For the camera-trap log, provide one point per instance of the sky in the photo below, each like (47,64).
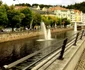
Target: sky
(47,2)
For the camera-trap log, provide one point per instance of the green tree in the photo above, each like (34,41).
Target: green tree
(11,7)
(15,18)
(35,5)
(6,7)
(45,20)
(59,21)
(36,19)
(1,3)
(65,22)
(79,6)
(28,17)
(52,20)
(3,16)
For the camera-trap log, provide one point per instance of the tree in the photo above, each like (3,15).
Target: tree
(6,7)
(28,17)
(35,5)
(65,22)
(0,3)
(23,4)
(36,19)
(3,16)
(59,21)
(15,18)
(42,5)
(79,6)
(11,7)
(52,20)
(45,20)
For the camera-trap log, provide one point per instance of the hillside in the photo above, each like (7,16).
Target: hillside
(79,6)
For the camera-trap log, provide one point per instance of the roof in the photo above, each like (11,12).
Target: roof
(77,11)
(20,7)
(57,8)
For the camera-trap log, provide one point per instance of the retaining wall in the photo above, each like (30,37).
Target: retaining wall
(27,34)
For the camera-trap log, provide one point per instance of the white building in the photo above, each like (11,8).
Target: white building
(61,12)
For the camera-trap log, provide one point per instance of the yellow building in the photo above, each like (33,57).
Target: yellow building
(77,15)
(61,12)
(71,14)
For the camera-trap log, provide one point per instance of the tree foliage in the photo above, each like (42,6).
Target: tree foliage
(23,4)
(1,3)
(28,17)
(15,18)
(3,16)
(41,5)
(50,20)
(36,19)
(65,22)
(79,6)
(45,20)
(25,17)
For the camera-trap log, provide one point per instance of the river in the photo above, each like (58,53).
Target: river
(13,50)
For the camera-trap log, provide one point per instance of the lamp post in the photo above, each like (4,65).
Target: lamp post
(75,26)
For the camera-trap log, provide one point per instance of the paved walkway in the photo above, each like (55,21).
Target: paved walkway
(81,63)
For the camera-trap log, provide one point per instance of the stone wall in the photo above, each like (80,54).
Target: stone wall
(15,36)
(27,34)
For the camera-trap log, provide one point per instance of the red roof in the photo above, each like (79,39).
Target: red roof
(57,8)
(77,11)
(19,7)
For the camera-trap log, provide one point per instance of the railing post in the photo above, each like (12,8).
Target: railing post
(62,50)
(81,35)
(76,39)
(84,33)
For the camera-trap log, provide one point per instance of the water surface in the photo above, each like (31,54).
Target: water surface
(13,50)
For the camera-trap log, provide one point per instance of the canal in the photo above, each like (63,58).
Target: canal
(14,50)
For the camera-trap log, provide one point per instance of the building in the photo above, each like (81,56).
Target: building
(38,8)
(44,9)
(61,12)
(71,14)
(83,18)
(78,15)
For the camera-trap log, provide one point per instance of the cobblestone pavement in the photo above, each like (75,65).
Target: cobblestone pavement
(81,63)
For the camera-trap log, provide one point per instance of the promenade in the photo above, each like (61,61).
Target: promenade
(81,64)
(71,58)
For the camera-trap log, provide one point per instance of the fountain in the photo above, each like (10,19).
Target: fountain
(46,32)
(43,29)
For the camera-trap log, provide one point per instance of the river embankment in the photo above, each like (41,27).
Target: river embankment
(26,34)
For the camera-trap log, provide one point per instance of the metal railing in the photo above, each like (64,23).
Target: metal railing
(11,65)
(68,41)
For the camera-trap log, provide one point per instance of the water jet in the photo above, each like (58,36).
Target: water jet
(46,33)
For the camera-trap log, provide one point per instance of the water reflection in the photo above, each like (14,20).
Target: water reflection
(13,50)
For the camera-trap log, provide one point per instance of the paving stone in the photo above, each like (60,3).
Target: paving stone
(81,63)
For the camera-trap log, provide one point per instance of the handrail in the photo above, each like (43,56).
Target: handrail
(40,59)
(37,67)
(66,42)
(26,57)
